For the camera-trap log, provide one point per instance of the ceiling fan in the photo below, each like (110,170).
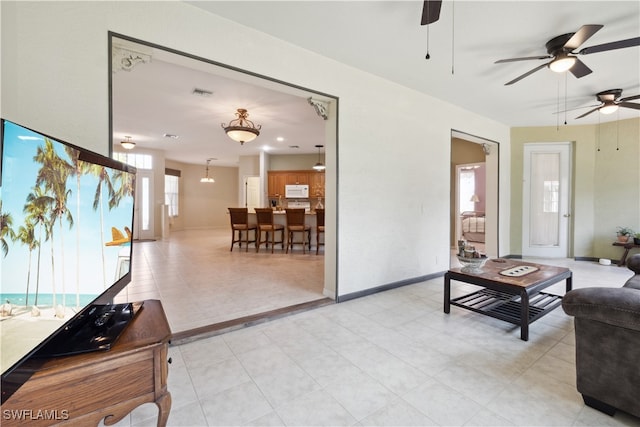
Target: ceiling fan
(430,11)
(609,102)
(562,50)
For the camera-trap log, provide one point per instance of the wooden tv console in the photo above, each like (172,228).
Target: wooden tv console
(87,388)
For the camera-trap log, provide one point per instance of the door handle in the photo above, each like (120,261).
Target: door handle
(566,215)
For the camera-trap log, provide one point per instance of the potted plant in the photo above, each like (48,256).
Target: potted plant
(624,233)
(636,239)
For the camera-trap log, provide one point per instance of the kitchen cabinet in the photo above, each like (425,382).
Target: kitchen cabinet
(316,184)
(297,177)
(276,180)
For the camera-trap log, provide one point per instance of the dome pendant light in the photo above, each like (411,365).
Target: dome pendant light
(128,144)
(242,129)
(206,177)
(319,166)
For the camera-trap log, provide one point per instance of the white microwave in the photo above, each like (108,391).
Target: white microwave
(298,191)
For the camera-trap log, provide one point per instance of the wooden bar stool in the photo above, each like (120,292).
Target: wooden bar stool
(240,223)
(264,217)
(319,228)
(296,224)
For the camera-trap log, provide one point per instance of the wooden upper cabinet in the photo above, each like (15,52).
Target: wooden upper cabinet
(297,177)
(276,180)
(316,184)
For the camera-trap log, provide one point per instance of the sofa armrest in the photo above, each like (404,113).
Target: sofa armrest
(614,306)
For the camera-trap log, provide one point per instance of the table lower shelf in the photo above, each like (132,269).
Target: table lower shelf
(507,307)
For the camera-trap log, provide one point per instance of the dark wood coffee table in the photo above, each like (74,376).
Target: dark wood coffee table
(515,299)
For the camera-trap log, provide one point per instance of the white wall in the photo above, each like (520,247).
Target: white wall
(392,188)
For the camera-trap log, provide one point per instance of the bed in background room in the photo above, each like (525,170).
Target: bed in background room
(473,226)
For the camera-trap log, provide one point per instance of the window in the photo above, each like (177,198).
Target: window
(172,190)
(467,182)
(140,161)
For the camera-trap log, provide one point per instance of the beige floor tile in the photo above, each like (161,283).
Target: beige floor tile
(388,359)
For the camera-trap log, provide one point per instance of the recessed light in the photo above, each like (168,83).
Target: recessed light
(279,139)
(170,135)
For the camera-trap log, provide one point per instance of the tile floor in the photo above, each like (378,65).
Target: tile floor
(389,359)
(200,282)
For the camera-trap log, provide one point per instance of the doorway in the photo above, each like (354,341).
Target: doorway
(266,97)
(474,202)
(545,198)
(252,192)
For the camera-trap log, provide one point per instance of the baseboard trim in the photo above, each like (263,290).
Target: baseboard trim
(587,258)
(244,322)
(389,286)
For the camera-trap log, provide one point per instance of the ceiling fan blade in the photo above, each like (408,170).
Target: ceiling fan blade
(629,98)
(587,113)
(620,44)
(629,105)
(430,11)
(528,73)
(524,58)
(581,36)
(579,69)
(577,108)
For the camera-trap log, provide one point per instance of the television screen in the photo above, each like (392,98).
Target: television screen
(67,221)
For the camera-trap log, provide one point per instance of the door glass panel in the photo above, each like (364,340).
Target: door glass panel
(544,222)
(145,203)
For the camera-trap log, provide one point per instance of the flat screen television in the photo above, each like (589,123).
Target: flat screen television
(67,217)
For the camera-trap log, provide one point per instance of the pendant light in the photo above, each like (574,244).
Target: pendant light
(206,177)
(242,129)
(319,166)
(128,144)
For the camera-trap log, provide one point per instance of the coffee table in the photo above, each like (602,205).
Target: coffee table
(515,299)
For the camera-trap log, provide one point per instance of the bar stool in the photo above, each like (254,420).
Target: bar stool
(264,217)
(319,228)
(296,224)
(240,222)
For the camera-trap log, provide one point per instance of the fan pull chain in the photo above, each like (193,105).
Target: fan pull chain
(599,132)
(428,56)
(566,84)
(558,105)
(618,130)
(453,30)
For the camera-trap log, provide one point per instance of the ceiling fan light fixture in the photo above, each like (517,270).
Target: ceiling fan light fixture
(562,63)
(127,144)
(242,129)
(608,108)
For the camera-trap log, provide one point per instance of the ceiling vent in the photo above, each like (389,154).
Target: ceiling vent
(170,135)
(201,92)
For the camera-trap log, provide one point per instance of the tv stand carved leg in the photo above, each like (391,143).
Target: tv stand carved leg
(164,406)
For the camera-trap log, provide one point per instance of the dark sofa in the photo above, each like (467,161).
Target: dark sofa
(607,328)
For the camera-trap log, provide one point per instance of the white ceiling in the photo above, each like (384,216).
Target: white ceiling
(385,38)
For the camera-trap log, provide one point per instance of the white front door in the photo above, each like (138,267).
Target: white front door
(545,199)
(144,225)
